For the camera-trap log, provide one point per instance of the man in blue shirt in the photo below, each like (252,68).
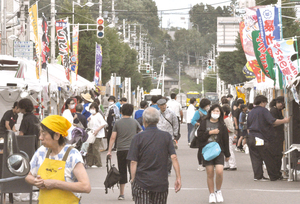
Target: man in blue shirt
(139,113)
(87,99)
(260,124)
(154,100)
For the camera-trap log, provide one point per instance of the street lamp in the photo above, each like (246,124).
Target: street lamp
(89,4)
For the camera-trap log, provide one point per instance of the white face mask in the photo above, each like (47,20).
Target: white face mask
(92,111)
(215,115)
(110,103)
(72,106)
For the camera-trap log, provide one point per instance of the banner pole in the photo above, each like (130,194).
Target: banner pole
(297,53)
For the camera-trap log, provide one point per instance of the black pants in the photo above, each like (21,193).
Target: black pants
(179,135)
(258,154)
(123,164)
(276,150)
(200,156)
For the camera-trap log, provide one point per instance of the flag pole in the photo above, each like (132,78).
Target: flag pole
(95,63)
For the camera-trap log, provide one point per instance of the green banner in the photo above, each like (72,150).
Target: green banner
(264,59)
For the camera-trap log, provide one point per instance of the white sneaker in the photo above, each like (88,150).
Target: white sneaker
(219,196)
(237,149)
(246,148)
(35,196)
(26,198)
(201,168)
(212,198)
(16,196)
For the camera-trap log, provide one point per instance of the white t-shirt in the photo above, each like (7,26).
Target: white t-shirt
(174,106)
(96,121)
(190,113)
(74,157)
(68,115)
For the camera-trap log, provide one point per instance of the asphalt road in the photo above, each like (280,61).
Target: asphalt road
(238,186)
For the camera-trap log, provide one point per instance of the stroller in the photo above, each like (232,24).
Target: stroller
(79,136)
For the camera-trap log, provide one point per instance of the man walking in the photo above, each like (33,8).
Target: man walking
(167,122)
(112,115)
(260,126)
(123,130)
(176,107)
(149,152)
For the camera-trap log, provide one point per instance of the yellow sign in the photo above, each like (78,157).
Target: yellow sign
(34,22)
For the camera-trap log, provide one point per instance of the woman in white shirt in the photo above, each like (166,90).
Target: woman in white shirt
(189,116)
(96,123)
(69,105)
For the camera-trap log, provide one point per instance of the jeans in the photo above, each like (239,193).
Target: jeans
(190,128)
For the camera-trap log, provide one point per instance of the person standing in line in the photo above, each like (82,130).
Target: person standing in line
(261,134)
(203,109)
(167,122)
(176,107)
(243,127)
(277,105)
(149,152)
(97,124)
(213,129)
(79,118)
(112,115)
(104,102)
(123,130)
(69,105)
(154,100)
(231,164)
(9,120)
(138,115)
(189,115)
(101,109)
(30,123)
(87,100)
(236,119)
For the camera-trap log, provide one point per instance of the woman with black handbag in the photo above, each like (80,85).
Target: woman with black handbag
(213,129)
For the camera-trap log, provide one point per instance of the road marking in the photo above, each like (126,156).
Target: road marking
(201,189)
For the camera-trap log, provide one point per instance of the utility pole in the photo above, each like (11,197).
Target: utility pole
(179,77)
(149,54)
(124,29)
(134,39)
(22,21)
(113,12)
(100,8)
(146,52)
(3,34)
(53,31)
(128,34)
(163,79)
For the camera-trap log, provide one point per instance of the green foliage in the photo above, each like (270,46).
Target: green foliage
(210,82)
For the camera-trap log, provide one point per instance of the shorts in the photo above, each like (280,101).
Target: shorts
(218,160)
(244,133)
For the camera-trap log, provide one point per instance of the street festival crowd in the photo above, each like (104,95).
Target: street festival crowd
(146,143)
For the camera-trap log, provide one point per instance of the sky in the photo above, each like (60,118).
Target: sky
(180,18)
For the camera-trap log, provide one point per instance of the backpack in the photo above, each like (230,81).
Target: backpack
(193,135)
(113,175)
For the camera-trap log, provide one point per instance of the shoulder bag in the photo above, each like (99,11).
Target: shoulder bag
(193,135)
(211,151)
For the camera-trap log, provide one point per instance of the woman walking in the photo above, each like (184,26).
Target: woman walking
(70,104)
(213,129)
(96,123)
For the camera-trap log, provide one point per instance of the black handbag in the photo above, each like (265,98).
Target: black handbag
(194,136)
(113,175)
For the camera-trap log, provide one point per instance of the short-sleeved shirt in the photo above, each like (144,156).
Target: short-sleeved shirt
(138,113)
(279,130)
(126,128)
(30,125)
(73,158)
(8,116)
(175,107)
(211,126)
(80,118)
(236,114)
(243,119)
(151,150)
(260,123)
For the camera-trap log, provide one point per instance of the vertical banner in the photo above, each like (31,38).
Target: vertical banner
(263,57)
(268,22)
(45,43)
(260,76)
(34,22)
(63,45)
(282,52)
(75,42)
(98,63)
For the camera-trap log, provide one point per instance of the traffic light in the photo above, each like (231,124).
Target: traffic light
(100,27)
(209,62)
(155,75)
(148,68)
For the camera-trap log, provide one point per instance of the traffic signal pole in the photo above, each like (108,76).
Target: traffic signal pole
(52,57)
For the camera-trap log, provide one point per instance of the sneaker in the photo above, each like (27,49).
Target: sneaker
(189,144)
(212,198)
(121,197)
(201,168)
(237,149)
(262,179)
(35,196)
(219,196)
(225,168)
(175,144)
(242,150)
(16,196)
(232,169)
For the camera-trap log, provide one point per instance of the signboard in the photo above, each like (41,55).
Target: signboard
(23,49)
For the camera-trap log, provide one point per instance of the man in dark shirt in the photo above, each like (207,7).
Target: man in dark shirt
(149,152)
(79,118)
(236,119)
(30,124)
(9,120)
(261,133)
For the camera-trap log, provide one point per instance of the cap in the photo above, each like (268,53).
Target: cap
(161,101)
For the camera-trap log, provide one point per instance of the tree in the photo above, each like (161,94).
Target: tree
(210,82)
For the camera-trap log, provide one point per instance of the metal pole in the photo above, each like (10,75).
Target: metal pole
(3,40)
(146,52)
(53,31)
(113,12)
(179,77)
(134,39)
(163,79)
(22,21)
(73,12)
(100,8)
(129,90)
(124,29)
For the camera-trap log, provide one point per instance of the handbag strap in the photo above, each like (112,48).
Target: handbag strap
(108,160)
(167,120)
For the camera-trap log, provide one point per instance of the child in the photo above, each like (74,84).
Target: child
(243,126)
